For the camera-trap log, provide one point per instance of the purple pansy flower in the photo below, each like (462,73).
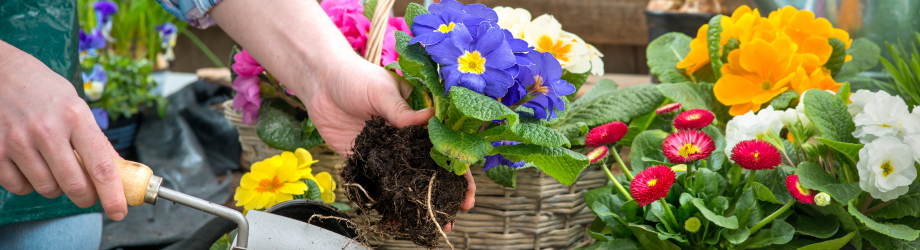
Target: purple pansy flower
(498,159)
(168,39)
(89,43)
(542,80)
(481,63)
(94,83)
(102,117)
(104,12)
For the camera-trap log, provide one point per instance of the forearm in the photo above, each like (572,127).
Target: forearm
(293,39)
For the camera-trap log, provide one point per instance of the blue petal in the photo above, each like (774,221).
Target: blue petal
(522,59)
(461,38)
(539,113)
(491,162)
(489,39)
(430,20)
(455,16)
(498,82)
(428,38)
(444,53)
(474,82)
(524,76)
(548,66)
(500,57)
(451,77)
(515,93)
(517,45)
(562,88)
(517,165)
(445,4)
(102,117)
(481,11)
(513,71)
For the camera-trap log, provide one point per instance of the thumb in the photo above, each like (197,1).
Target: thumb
(398,113)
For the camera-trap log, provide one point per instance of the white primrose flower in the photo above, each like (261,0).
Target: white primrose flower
(545,34)
(513,20)
(914,142)
(863,97)
(592,60)
(597,64)
(885,168)
(748,126)
(885,116)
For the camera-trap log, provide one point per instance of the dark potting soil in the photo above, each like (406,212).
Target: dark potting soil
(394,168)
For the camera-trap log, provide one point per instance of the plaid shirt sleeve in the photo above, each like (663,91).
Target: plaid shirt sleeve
(194,12)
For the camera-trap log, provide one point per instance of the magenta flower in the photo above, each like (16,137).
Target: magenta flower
(390,55)
(246,66)
(348,16)
(247,97)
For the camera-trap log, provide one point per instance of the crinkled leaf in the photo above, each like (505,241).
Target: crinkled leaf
(503,175)
(604,104)
(775,181)
(779,232)
(420,71)
(897,231)
(830,115)
(881,241)
(714,42)
(865,56)
(562,164)
(282,131)
(412,11)
(439,158)
(814,177)
(466,148)
(456,120)
(836,210)
(838,55)
(784,100)
(224,243)
(418,99)
(730,222)
(844,92)
(850,150)
(905,205)
(664,53)
(837,243)
(635,127)
(646,144)
(690,95)
(822,228)
(717,158)
(480,107)
(732,44)
(529,133)
(574,132)
(747,210)
(313,192)
(369,7)
(649,239)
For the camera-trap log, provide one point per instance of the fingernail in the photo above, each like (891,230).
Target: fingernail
(117,216)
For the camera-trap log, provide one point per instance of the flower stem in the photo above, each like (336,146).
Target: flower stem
(667,224)
(880,206)
(668,209)
(772,216)
(616,183)
(282,94)
(788,159)
(750,180)
(616,154)
(865,204)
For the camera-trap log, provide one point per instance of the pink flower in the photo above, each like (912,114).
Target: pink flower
(348,16)
(247,97)
(245,66)
(390,54)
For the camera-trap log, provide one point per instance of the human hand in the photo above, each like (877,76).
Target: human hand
(42,122)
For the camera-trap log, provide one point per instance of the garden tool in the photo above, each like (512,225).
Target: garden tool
(256,231)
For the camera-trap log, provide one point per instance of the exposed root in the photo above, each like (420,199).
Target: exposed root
(362,190)
(431,212)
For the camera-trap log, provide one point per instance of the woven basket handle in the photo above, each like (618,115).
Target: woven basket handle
(374,49)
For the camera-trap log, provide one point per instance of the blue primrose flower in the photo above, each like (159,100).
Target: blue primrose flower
(433,27)
(498,159)
(89,43)
(481,64)
(542,81)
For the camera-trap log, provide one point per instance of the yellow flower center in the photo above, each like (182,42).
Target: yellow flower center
(756,156)
(87,85)
(802,190)
(886,125)
(472,62)
(693,117)
(766,85)
(688,149)
(559,51)
(887,168)
(538,85)
(446,28)
(652,182)
(266,185)
(594,154)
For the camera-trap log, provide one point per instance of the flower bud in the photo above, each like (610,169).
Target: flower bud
(789,118)
(599,154)
(822,199)
(692,225)
(679,167)
(811,151)
(668,111)
(609,133)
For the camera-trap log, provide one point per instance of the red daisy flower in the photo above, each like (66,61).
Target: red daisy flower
(605,134)
(800,193)
(756,155)
(668,108)
(687,145)
(598,154)
(694,119)
(652,184)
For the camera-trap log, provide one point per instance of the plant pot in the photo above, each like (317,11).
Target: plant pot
(121,134)
(305,210)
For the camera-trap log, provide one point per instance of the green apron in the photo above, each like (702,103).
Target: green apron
(49,31)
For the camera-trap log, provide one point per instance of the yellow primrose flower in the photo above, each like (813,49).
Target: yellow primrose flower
(270,182)
(545,34)
(819,79)
(327,185)
(304,163)
(513,20)
(744,25)
(809,32)
(755,73)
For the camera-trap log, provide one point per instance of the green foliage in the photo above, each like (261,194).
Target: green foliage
(463,147)
(732,44)
(904,68)
(730,222)
(313,192)
(717,158)
(779,233)
(529,133)
(814,177)
(882,241)
(747,210)
(714,43)
(822,228)
(905,205)
(647,144)
(865,56)
(412,11)
(369,7)
(575,79)
(785,100)
(649,239)
(763,193)
(635,127)
(562,164)
(130,87)
(896,231)
(503,175)
(481,107)
(837,243)
(605,103)
(838,55)
(830,115)
(663,55)
(574,132)
(689,95)
(775,181)
(420,71)
(282,131)
(623,244)
(850,150)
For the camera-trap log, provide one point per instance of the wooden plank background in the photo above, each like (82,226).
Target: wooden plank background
(616,27)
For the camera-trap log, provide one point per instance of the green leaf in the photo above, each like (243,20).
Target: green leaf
(664,53)
(747,210)
(503,175)
(850,150)
(763,193)
(729,222)
(419,70)
(865,56)
(837,243)
(814,177)
(636,126)
(907,204)
(574,132)
(732,44)
(844,92)
(604,104)
(894,230)
(881,241)
(313,192)
(236,49)
(575,79)
(784,100)
(562,164)
(649,239)
(822,228)
(281,131)
(466,148)
(779,233)
(606,203)
(369,7)
(529,133)
(624,244)
(775,181)
(418,99)
(706,182)
(717,158)
(737,236)
(836,210)
(456,120)
(830,115)
(224,243)
(646,144)
(481,107)
(341,206)
(714,42)
(690,95)
(839,53)
(412,11)
(439,158)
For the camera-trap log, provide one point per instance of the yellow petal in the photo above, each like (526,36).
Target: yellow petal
(249,181)
(819,47)
(288,172)
(244,196)
(280,197)
(759,57)
(732,89)
(297,187)
(739,109)
(324,180)
(766,96)
(263,199)
(304,157)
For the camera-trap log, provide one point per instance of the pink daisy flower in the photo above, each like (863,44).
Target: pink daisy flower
(605,134)
(756,155)
(652,184)
(800,193)
(687,145)
(694,119)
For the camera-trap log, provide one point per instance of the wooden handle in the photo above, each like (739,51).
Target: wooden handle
(134,178)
